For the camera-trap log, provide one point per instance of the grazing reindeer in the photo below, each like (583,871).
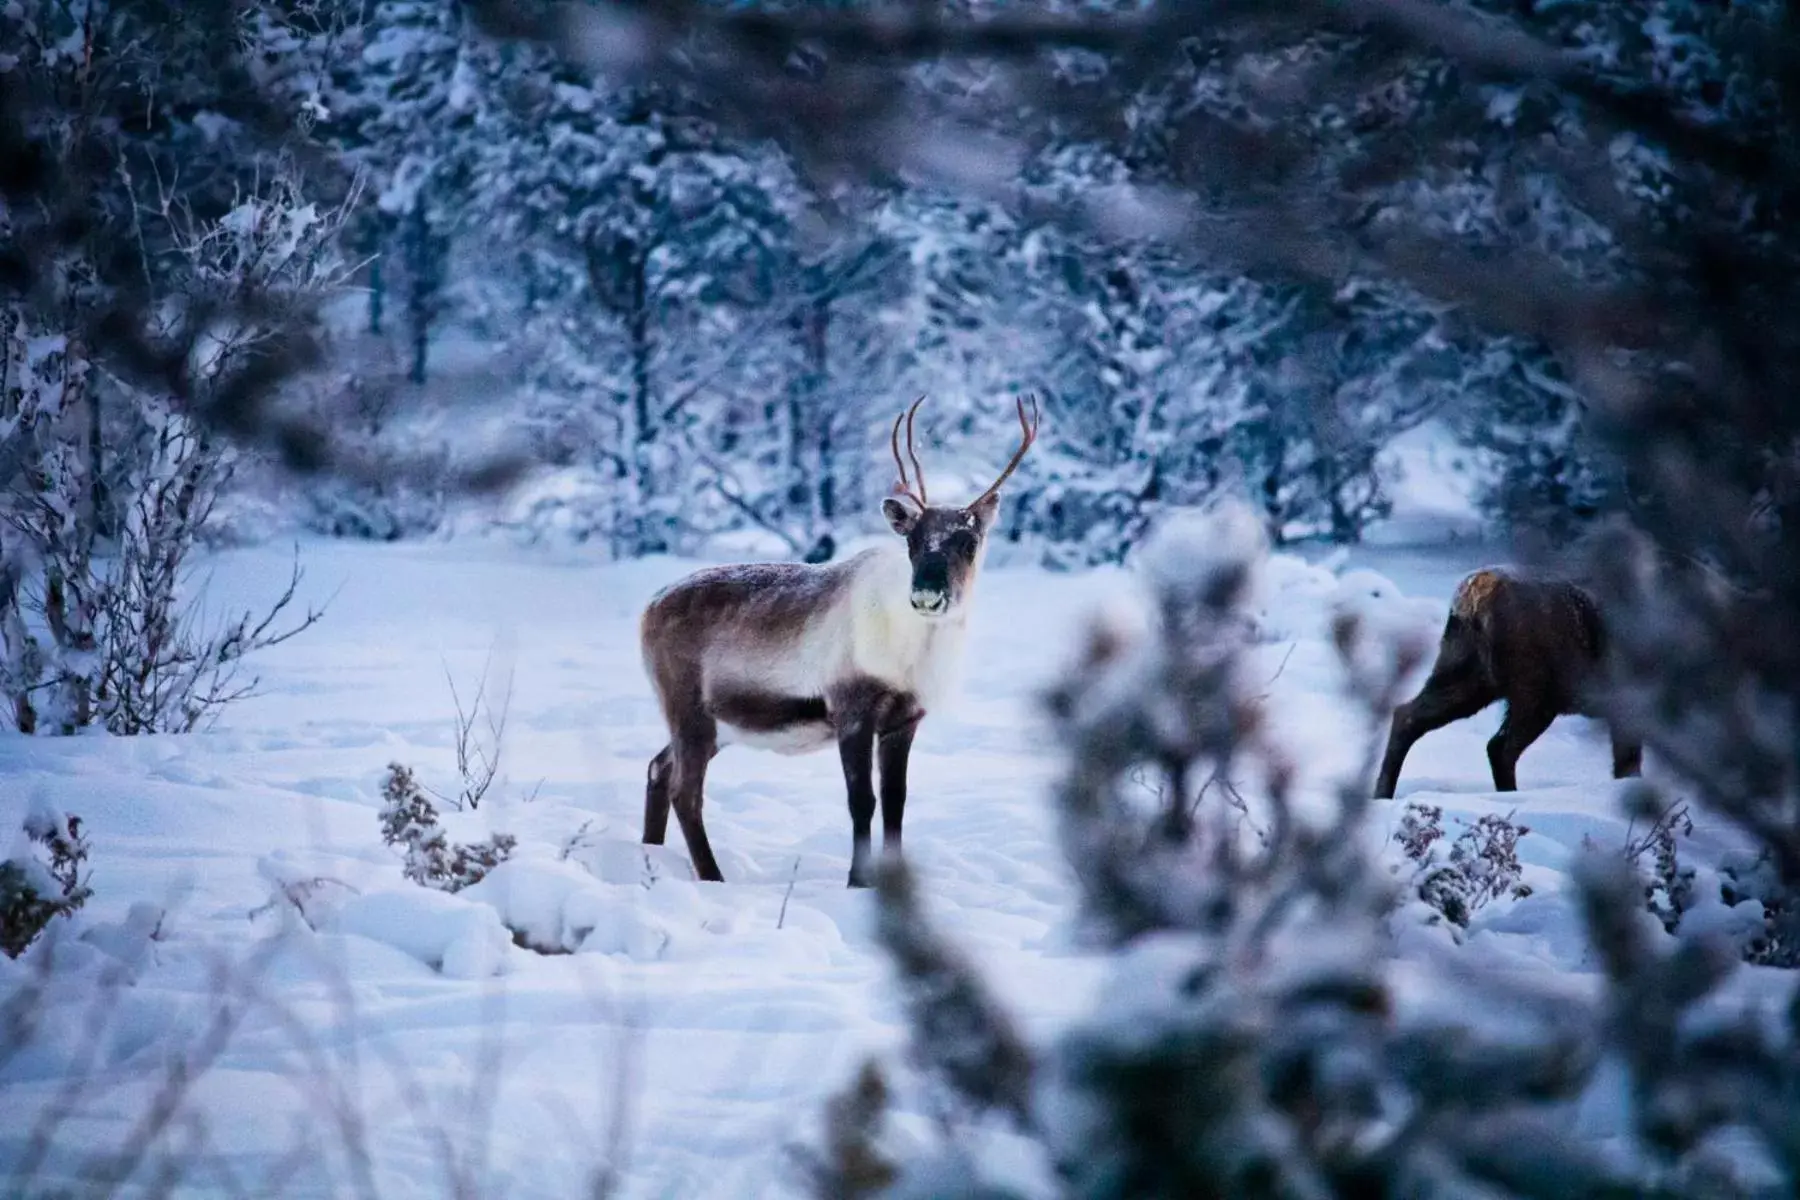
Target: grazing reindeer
(1534,643)
(792,657)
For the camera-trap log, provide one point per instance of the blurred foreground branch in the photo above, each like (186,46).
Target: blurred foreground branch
(1256,1038)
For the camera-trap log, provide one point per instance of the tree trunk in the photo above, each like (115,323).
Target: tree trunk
(816,331)
(651,536)
(425,264)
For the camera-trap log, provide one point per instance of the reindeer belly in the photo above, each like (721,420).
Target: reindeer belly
(767,721)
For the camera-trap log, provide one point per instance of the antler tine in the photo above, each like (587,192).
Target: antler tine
(1028,431)
(918,471)
(905,486)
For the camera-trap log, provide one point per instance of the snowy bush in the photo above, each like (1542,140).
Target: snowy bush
(42,879)
(105,490)
(1755,878)
(1669,890)
(409,822)
(1481,866)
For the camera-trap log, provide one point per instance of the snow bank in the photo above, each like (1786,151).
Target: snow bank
(556,907)
(1298,600)
(447,933)
(740,1006)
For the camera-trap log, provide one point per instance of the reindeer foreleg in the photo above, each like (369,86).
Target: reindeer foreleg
(896,748)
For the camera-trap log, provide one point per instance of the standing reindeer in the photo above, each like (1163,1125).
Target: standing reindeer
(1534,643)
(792,657)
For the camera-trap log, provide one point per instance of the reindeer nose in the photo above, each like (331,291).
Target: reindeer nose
(929,601)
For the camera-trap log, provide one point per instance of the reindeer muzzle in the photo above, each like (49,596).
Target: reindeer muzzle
(930,602)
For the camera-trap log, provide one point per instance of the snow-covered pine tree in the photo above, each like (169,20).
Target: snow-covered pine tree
(801,460)
(407,117)
(1332,380)
(1145,374)
(658,259)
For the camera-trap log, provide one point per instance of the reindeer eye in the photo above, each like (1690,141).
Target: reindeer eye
(962,542)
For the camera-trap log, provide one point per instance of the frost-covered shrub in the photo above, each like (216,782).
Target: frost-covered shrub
(1669,889)
(1421,825)
(409,822)
(44,878)
(105,491)
(1481,866)
(1755,877)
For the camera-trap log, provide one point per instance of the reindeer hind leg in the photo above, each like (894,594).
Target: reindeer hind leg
(1446,697)
(657,796)
(1524,724)
(693,751)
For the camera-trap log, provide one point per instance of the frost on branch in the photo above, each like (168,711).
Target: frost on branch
(409,821)
(43,879)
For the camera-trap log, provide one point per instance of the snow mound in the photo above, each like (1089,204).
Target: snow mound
(556,907)
(449,934)
(128,940)
(1297,599)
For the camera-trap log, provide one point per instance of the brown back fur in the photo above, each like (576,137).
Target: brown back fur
(1534,639)
(767,604)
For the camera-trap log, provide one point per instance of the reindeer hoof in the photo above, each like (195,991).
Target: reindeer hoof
(861,880)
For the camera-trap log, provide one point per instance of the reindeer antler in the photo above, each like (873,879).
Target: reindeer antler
(1029,429)
(906,487)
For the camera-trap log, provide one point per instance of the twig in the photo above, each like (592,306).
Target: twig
(573,840)
(478,766)
(1292,646)
(781,919)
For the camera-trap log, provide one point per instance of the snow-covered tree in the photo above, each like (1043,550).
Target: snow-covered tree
(655,258)
(795,460)
(407,117)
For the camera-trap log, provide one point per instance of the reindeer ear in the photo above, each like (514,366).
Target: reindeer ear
(985,510)
(900,518)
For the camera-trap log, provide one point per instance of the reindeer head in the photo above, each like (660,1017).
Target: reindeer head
(945,542)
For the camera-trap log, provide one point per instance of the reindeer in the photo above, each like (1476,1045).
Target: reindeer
(1534,643)
(792,657)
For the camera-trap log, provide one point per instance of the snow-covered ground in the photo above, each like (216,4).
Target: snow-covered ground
(698,1029)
